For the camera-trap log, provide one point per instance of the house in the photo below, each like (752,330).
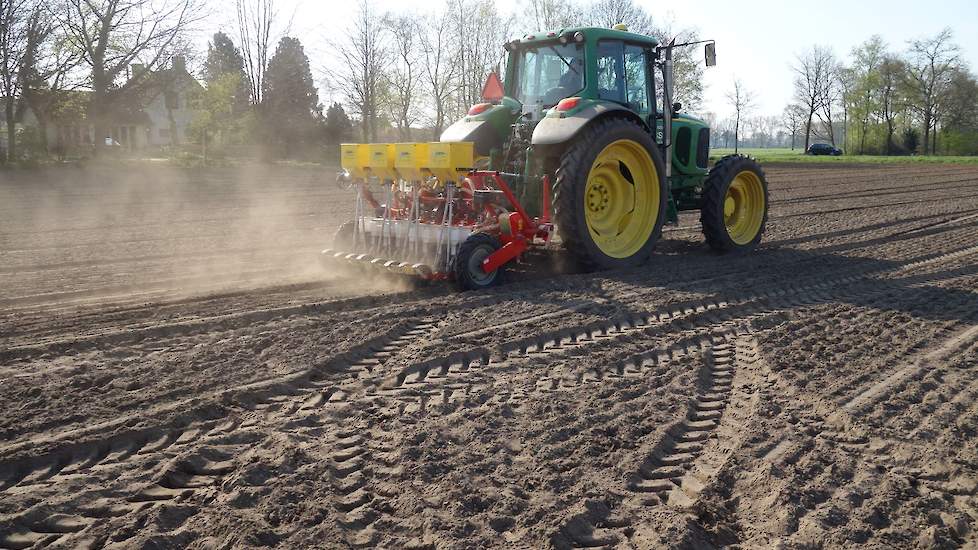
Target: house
(156,110)
(169,102)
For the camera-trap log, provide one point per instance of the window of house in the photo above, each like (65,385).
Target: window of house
(172,100)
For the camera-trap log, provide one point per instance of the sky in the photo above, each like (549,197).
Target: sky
(757,41)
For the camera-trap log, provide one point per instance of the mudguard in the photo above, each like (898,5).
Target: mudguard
(557,128)
(480,132)
(488,129)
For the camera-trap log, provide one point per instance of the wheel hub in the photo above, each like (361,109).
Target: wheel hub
(621,198)
(598,197)
(743,207)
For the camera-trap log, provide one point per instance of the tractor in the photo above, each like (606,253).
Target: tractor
(580,140)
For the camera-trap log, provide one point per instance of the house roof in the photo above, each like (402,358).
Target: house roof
(128,104)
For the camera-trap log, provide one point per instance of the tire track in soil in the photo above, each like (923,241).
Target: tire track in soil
(913,371)
(20,352)
(182,478)
(198,325)
(883,191)
(860,433)
(680,466)
(188,475)
(566,340)
(677,318)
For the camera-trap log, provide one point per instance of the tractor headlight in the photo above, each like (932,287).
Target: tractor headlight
(564,39)
(578,36)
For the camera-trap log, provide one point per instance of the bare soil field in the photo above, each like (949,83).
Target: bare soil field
(177,371)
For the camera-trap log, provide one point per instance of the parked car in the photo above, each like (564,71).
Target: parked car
(823,149)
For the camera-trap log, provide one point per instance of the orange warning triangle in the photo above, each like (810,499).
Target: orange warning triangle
(492,90)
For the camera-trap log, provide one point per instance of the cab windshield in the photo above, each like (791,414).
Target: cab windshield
(546,74)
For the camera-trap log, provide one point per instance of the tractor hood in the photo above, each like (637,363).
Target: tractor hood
(487,125)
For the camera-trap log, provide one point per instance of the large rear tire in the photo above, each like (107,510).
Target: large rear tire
(734,207)
(610,195)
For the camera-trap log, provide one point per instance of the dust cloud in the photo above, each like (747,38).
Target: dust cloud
(131,230)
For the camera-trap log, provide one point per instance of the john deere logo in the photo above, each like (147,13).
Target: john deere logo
(440,154)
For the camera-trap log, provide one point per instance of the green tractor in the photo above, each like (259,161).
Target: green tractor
(591,109)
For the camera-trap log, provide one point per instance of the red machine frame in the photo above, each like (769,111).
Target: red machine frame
(517,231)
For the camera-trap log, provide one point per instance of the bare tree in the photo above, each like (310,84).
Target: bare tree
(403,76)
(258,32)
(14,22)
(792,120)
(813,71)
(439,67)
(541,15)
(47,68)
(864,73)
(832,93)
(482,30)
(112,34)
(891,72)
(607,13)
(363,57)
(742,101)
(930,67)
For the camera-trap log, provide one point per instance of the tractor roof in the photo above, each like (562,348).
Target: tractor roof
(590,32)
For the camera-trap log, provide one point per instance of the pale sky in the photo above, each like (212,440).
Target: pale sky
(756,40)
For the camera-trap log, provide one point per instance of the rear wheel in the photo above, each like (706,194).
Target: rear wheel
(734,209)
(468,263)
(344,237)
(610,197)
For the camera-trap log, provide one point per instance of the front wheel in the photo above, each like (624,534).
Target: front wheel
(734,205)
(468,263)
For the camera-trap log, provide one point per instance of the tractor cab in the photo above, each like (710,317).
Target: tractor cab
(585,63)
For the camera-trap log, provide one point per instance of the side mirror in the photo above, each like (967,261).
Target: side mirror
(710,50)
(676,107)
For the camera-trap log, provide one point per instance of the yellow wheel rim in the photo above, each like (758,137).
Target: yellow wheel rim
(621,198)
(743,207)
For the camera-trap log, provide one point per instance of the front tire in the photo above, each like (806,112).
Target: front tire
(610,195)
(467,268)
(734,205)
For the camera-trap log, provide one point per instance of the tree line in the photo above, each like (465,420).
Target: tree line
(396,72)
(260,91)
(408,75)
(410,70)
(921,100)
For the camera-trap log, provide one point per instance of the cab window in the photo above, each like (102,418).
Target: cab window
(611,69)
(623,75)
(549,73)
(636,74)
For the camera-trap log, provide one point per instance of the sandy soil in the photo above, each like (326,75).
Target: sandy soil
(176,371)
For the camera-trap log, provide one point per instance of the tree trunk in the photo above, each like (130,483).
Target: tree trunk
(808,130)
(42,129)
(11,129)
(927,122)
(889,137)
(737,134)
